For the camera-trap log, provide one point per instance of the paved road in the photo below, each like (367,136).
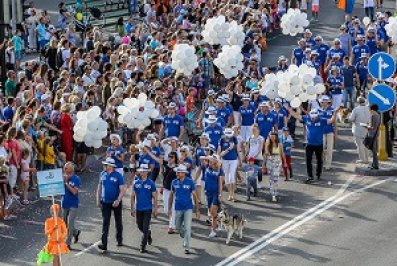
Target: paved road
(314,243)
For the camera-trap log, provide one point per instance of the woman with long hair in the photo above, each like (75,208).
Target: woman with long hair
(274,155)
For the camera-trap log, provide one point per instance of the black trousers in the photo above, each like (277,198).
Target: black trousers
(318,151)
(106,214)
(143,221)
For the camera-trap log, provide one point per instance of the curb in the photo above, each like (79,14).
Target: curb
(363,170)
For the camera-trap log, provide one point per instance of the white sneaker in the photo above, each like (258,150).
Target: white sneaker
(212,234)
(259,185)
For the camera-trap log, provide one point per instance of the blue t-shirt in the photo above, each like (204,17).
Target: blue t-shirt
(110,186)
(299,55)
(144,158)
(211,178)
(327,114)
(287,144)
(69,200)
(339,51)
(143,191)
(232,154)
(172,125)
(215,134)
(357,50)
(189,161)
(279,117)
(116,152)
(199,152)
(334,82)
(157,152)
(265,123)
(322,50)
(251,171)
(223,113)
(183,193)
(373,47)
(362,70)
(314,130)
(8,113)
(247,115)
(348,75)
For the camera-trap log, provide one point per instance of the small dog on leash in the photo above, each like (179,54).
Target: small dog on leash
(342,117)
(232,223)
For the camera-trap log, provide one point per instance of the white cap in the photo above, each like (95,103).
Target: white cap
(180,169)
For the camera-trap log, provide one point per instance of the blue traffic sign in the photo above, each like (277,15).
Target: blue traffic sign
(383,96)
(381,66)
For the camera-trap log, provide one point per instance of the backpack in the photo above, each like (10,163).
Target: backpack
(59,59)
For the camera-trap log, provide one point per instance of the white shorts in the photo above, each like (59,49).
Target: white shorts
(230,169)
(246,132)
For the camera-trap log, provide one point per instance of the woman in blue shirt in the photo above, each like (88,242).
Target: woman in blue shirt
(247,114)
(116,152)
(335,83)
(227,150)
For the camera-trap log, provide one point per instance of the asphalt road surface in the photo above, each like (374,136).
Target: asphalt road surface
(344,219)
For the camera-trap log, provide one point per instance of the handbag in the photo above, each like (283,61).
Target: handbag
(369,141)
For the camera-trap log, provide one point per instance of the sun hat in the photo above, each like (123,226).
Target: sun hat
(115,136)
(181,169)
(110,162)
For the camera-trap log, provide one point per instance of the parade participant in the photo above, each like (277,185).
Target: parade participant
(247,114)
(56,232)
(360,117)
(348,72)
(223,112)
(373,133)
(265,120)
(169,175)
(251,172)
(255,150)
(336,49)
(144,157)
(362,75)
(144,204)
(335,83)
(326,112)
(201,150)
(280,115)
(307,35)
(314,125)
(173,124)
(227,150)
(116,152)
(298,53)
(359,49)
(214,131)
(213,176)
(282,64)
(110,193)
(287,142)
(345,40)
(185,159)
(322,50)
(157,155)
(182,191)
(274,159)
(372,41)
(70,202)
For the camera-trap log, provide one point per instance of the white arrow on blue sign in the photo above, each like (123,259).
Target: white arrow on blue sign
(381,66)
(383,96)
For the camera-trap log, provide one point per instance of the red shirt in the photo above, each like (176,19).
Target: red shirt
(10,146)
(189,103)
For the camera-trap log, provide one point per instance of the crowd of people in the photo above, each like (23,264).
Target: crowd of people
(211,132)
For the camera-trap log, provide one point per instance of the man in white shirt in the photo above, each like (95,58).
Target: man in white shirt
(360,117)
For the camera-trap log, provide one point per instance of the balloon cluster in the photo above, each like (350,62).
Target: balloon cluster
(184,59)
(236,34)
(216,31)
(391,29)
(296,85)
(137,112)
(229,61)
(90,128)
(294,22)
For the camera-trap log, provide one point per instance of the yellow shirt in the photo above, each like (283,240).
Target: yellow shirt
(49,155)
(40,148)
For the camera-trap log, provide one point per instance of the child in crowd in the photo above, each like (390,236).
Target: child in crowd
(25,175)
(252,171)
(287,142)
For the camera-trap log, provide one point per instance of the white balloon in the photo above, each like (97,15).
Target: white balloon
(303,97)
(295,102)
(320,88)
(123,109)
(81,114)
(295,90)
(311,90)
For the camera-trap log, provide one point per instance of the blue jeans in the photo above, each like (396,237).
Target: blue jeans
(184,230)
(348,92)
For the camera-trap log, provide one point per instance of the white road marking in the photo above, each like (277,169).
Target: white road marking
(284,229)
(87,249)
